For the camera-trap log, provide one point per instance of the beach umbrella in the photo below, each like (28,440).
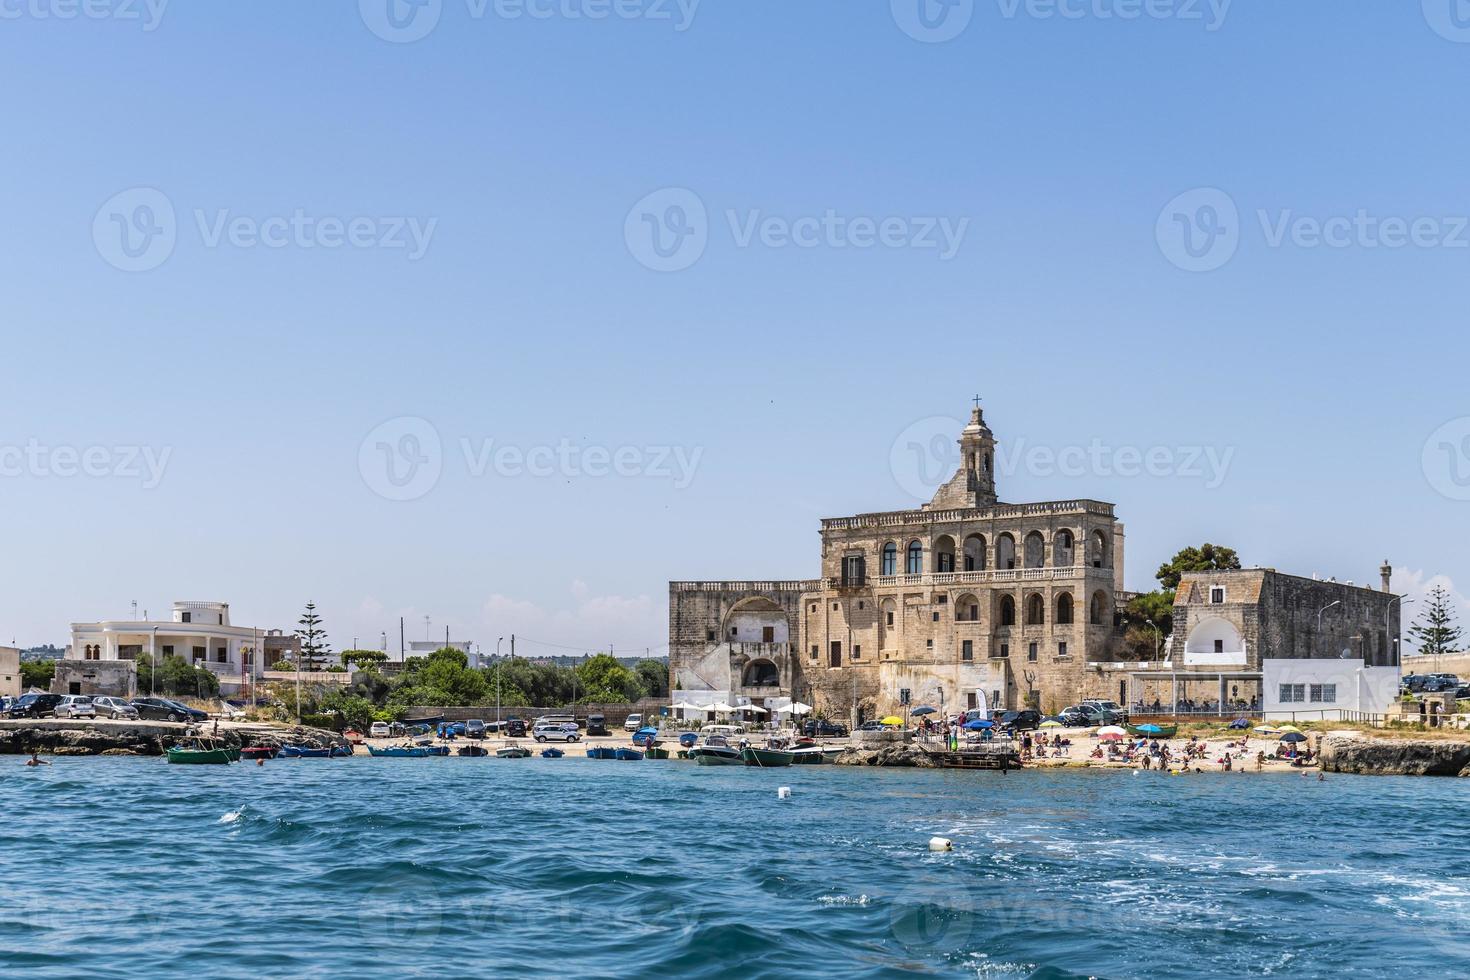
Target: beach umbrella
(1288,728)
(1150,729)
(1265,730)
(923,709)
(796,708)
(1110,736)
(1293,737)
(1051,723)
(978,724)
(753,707)
(1240,724)
(1113,731)
(891,720)
(719,708)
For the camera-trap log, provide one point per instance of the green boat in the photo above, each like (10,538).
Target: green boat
(1164,731)
(654,752)
(204,752)
(766,758)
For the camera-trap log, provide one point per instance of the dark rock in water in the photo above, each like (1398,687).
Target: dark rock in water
(1368,755)
(904,756)
(145,739)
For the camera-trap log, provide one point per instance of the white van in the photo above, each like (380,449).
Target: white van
(634,722)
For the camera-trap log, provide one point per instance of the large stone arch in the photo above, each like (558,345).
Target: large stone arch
(1211,638)
(748,620)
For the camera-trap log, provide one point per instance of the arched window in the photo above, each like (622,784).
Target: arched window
(1064,609)
(890,559)
(1035,610)
(1097,550)
(975,553)
(967,609)
(1062,549)
(762,673)
(1007,610)
(1005,551)
(1099,608)
(915,563)
(1035,550)
(944,553)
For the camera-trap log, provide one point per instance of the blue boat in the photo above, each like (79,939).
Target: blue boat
(304,752)
(436,749)
(688,739)
(627,755)
(603,752)
(645,736)
(338,751)
(398,752)
(552,753)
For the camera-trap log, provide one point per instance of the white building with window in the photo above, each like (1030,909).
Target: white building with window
(199,632)
(1330,690)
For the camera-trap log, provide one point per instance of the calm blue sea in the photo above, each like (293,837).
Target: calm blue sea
(572,867)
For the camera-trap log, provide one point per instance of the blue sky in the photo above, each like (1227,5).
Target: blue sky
(1067,150)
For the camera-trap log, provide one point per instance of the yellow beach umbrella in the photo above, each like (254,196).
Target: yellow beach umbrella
(1051,724)
(891,720)
(1288,728)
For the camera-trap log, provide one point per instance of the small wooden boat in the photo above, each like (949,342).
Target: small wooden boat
(259,752)
(203,752)
(655,752)
(304,752)
(1164,731)
(552,753)
(353,736)
(398,752)
(338,751)
(513,752)
(475,751)
(766,758)
(627,755)
(436,750)
(602,752)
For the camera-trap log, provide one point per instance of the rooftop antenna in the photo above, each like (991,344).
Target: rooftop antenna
(135,610)
(428,630)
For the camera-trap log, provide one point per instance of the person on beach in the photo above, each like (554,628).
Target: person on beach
(36,760)
(1227,761)
(1260,760)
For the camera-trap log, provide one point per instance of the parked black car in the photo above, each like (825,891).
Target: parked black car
(34,706)
(1027,719)
(597,725)
(515,728)
(162,709)
(474,728)
(822,728)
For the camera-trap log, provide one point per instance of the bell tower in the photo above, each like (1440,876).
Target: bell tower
(973,484)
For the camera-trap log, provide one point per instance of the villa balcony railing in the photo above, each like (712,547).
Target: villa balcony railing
(989,575)
(998,511)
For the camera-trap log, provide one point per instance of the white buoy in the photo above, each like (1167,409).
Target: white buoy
(941,844)
(784,793)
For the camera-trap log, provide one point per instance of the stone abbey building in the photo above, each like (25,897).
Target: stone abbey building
(965,601)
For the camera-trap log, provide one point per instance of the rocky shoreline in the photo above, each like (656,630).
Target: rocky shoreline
(1368,755)
(148,740)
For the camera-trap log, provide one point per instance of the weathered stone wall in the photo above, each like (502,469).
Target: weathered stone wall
(704,656)
(95,678)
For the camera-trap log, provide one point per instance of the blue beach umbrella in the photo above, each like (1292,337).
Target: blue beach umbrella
(923,709)
(1150,729)
(1240,724)
(977,724)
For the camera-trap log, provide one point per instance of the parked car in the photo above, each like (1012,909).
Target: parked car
(474,728)
(34,705)
(163,709)
(115,708)
(559,719)
(379,729)
(633,723)
(559,732)
(871,726)
(1027,719)
(1074,716)
(1111,711)
(74,706)
(822,728)
(597,725)
(515,728)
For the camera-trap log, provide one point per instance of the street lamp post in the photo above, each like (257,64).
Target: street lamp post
(1334,602)
(1158,640)
(1394,650)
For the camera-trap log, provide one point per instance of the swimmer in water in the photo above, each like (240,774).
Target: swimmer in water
(35,760)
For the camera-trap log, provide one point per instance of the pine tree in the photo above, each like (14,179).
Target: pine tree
(1436,632)
(314,646)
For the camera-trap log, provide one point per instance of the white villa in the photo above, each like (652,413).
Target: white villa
(200,632)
